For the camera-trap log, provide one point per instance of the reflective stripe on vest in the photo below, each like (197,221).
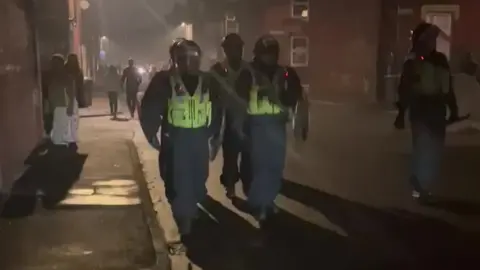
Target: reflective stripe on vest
(263,106)
(185,111)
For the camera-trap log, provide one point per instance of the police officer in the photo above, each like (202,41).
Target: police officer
(228,71)
(271,94)
(183,102)
(426,91)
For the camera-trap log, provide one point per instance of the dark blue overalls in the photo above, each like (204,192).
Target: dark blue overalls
(184,156)
(233,143)
(266,132)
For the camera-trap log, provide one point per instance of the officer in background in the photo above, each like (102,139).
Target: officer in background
(426,91)
(271,94)
(227,72)
(184,102)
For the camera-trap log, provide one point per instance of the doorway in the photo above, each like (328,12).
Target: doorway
(442,16)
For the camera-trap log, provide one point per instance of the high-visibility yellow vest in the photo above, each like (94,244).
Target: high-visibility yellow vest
(262,105)
(185,111)
(430,79)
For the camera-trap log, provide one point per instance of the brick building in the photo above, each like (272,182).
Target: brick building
(455,17)
(31,32)
(20,97)
(333,44)
(348,49)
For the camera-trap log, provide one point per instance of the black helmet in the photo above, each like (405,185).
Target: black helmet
(174,45)
(232,39)
(185,55)
(425,29)
(266,44)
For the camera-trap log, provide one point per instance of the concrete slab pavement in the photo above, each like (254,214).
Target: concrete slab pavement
(99,221)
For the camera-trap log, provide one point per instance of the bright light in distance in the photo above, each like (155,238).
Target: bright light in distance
(305,13)
(141,70)
(183,24)
(104,37)
(84,4)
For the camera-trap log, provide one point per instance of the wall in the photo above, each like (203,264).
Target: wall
(20,117)
(53,29)
(343,51)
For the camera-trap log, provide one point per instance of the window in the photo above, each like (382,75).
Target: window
(300,9)
(299,51)
(231,25)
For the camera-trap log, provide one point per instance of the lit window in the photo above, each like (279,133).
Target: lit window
(300,9)
(231,25)
(299,51)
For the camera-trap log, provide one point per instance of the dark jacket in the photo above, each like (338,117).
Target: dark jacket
(131,78)
(430,110)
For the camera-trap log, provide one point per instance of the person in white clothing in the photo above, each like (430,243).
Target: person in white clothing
(62,103)
(75,74)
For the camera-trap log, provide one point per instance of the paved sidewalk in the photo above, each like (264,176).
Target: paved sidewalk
(98,222)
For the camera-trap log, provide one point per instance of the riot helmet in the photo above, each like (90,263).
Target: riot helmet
(185,56)
(424,38)
(232,45)
(267,50)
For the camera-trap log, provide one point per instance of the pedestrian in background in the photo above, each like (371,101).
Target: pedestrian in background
(75,75)
(46,107)
(132,79)
(61,101)
(113,87)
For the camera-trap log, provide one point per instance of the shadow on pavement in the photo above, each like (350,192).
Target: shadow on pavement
(290,243)
(456,206)
(96,115)
(120,119)
(461,173)
(381,239)
(52,172)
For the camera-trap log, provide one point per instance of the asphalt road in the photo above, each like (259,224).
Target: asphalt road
(346,204)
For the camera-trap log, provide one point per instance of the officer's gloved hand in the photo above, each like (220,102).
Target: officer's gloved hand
(155,142)
(214,146)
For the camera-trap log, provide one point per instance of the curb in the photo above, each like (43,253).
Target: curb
(162,260)
(160,214)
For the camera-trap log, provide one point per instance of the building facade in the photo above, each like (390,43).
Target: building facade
(455,17)
(353,50)
(332,44)
(20,96)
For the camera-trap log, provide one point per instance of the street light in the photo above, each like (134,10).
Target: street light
(84,4)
